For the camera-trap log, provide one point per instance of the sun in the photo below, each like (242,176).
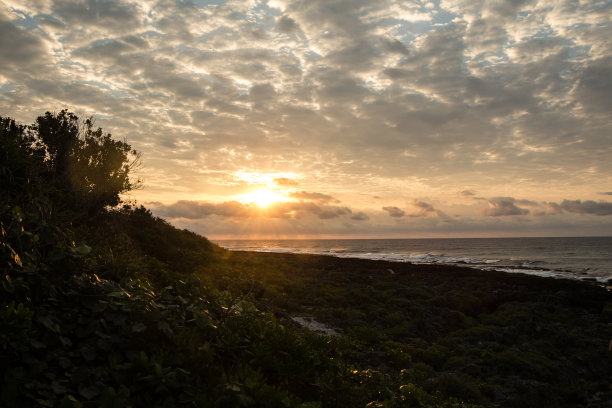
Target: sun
(263,197)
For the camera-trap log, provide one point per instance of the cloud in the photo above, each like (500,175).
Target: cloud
(395,46)
(394,211)
(195,209)
(503,206)
(594,88)
(606,193)
(116,15)
(360,216)
(234,209)
(19,48)
(385,99)
(426,209)
(285,182)
(587,207)
(319,197)
(286,24)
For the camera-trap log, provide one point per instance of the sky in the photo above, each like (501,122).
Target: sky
(336,118)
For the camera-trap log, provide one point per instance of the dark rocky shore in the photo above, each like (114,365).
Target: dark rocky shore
(489,337)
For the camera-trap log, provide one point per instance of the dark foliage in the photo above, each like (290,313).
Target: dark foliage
(125,310)
(84,170)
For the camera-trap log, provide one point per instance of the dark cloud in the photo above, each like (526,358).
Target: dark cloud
(527,202)
(109,49)
(594,89)
(360,216)
(19,48)
(394,211)
(587,207)
(262,95)
(606,193)
(320,197)
(115,15)
(50,22)
(549,209)
(196,209)
(424,206)
(286,24)
(359,57)
(503,206)
(395,46)
(334,18)
(426,209)
(467,193)
(233,209)
(328,212)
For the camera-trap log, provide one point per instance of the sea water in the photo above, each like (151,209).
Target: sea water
(584,258)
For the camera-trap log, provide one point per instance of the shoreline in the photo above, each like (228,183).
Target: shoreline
(524,270)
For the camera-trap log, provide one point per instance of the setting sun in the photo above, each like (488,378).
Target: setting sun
(263,197)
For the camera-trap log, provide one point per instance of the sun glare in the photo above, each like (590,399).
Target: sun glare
(263,198)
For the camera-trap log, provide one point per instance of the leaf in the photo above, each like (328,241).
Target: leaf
(98,307)
(165,328)
(49,403)
(111,399)
(65,341)
(89,392)
(37,344)
(88,353)
(70,402)
(202,320)
(47,322)
(7,284)
(158,369)
(139,328)
(58,388)
(83,249)
(232,387)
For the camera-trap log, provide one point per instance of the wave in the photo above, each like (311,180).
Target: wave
(486,264)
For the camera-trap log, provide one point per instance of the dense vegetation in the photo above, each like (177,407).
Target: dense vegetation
(105,305)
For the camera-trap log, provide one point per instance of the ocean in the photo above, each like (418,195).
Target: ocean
(583,258)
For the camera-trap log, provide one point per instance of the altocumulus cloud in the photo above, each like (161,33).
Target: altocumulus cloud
(354,94)
(326,76)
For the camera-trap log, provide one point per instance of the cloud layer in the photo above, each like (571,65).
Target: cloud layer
(336,100)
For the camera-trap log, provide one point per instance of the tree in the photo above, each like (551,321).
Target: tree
(87,167)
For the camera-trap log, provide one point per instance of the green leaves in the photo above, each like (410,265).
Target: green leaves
(81,250)
(15,326)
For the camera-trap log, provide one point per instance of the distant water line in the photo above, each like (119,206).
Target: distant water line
(581,258)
